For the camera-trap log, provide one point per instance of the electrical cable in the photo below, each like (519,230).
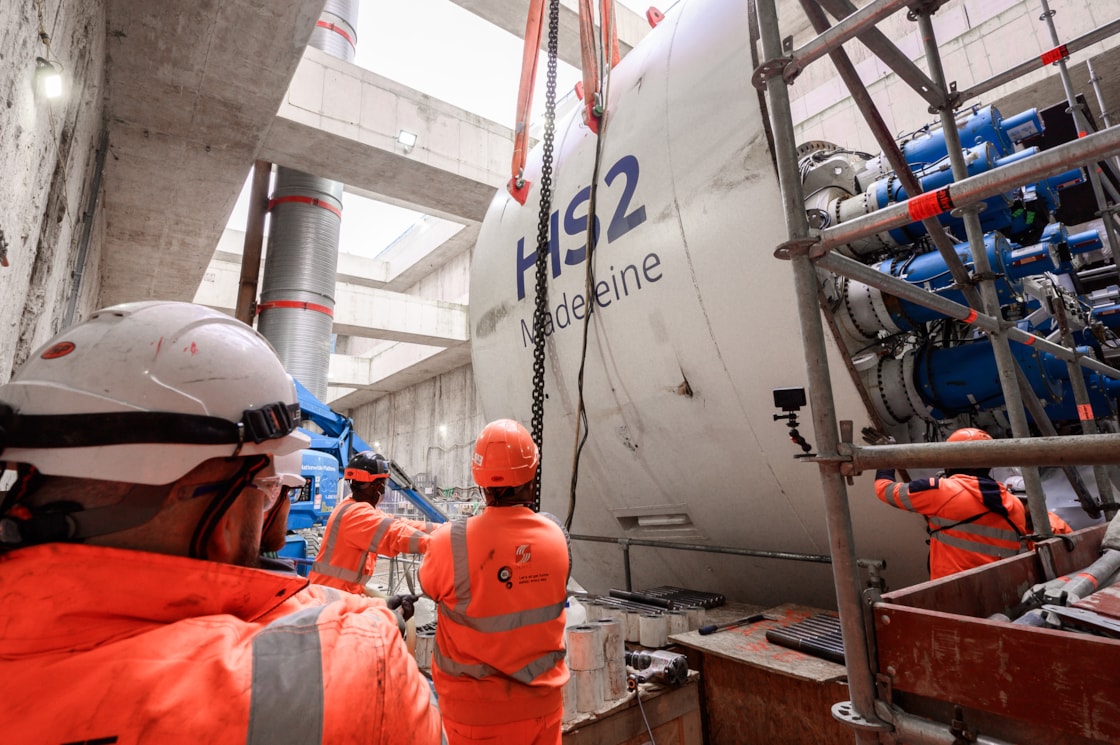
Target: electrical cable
(582,425)
(642,709)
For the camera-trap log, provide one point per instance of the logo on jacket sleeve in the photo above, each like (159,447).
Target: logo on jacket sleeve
(524,553)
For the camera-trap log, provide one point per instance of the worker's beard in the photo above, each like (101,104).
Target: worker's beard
(248,552)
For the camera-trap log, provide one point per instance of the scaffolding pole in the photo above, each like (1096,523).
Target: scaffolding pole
(869,716)
(861,714)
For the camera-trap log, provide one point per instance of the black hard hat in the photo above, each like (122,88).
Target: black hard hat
(367,466)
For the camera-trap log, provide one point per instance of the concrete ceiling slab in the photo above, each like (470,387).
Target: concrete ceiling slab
(451,171)
(193,87)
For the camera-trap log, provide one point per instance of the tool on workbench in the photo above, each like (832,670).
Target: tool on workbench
(712,628)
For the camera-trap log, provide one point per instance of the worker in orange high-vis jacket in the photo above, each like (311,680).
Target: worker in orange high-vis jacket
(357,532)
(971,518)
(146,444)
(500,583)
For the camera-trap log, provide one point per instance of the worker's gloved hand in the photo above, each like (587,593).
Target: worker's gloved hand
(874,437)
(406,604)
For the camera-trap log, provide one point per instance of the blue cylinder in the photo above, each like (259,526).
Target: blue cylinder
(995,216)
(1108,314)
(975,128)
(1066,179)
(1102,390)
(1023,125)
(1089,240)
(957,380)
(929,272)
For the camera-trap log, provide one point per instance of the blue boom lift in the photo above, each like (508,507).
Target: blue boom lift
(323,466)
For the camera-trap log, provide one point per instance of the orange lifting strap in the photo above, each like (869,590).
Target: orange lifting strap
(592,107)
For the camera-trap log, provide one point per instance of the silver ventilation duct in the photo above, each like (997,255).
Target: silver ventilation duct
(297,292)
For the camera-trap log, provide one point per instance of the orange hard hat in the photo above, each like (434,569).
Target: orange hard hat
(969,434)
(504,455)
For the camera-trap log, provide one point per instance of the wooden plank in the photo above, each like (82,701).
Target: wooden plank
(748,644)
(748,705)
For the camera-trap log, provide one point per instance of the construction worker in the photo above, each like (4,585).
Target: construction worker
(499,580)
(971,518)
(142,443)
(357,532)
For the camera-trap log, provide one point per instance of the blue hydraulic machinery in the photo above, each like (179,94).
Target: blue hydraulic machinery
(323,466)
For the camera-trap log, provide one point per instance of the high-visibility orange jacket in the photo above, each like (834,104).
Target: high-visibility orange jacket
(500,581)
(104,645)
(356,533)
(964,531)
(1058,526)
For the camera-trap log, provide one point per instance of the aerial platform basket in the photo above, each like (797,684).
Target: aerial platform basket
(937,651)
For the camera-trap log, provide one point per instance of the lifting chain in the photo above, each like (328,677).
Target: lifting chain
(540,312)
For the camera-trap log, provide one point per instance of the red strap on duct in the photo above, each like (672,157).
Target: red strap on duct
(296,304)
(1056,54)
(314,202)
(337,29)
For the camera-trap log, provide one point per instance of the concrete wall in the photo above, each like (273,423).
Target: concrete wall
(429,428)
(48,152)
(977,39)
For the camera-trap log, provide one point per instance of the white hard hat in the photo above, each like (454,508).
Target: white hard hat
(144,392)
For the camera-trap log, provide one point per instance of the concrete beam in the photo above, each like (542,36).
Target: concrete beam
(355,381)
(341,122)
(380,314)
(511,15)
(193,87)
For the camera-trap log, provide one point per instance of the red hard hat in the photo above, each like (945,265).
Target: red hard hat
(504,455)
(969,434)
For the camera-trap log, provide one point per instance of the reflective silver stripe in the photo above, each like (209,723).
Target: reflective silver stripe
(324,566)
(984,531)
(902,497)
(504,621)
(460,565)
(974,546)
(374,542)
(286,699)
(414,542)
(525,675)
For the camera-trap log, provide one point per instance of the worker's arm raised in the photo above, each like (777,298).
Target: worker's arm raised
(922,496)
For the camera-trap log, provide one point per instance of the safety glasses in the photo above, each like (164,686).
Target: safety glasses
(271,486)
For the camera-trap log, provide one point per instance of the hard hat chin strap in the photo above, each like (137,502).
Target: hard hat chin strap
(220,504)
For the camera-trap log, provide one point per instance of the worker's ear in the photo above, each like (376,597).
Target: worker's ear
(237,536)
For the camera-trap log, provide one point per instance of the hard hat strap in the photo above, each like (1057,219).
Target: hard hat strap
(49,431)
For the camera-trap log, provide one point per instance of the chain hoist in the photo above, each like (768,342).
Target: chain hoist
(540,312)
